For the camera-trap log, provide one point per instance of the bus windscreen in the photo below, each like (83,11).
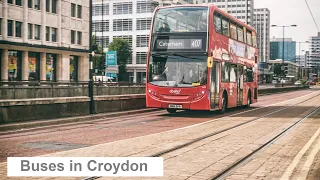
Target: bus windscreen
(181,19)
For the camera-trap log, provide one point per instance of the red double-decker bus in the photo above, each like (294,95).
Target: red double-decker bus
(200,58)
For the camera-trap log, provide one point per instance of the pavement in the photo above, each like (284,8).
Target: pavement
(150,133)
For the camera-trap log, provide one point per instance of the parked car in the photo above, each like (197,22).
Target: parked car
(298,83)
(274,81)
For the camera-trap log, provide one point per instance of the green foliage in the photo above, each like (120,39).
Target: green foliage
(98,61)
(123,53)
(277,70)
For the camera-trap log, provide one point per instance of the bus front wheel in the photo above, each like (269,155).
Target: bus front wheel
(171,110)
(224,105)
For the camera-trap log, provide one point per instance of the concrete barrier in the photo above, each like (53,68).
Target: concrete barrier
(28,92)
(19,110)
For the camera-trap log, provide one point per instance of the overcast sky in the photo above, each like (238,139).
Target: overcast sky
(287,12)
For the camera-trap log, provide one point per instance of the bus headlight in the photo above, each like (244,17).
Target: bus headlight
(199,95)
(153,93)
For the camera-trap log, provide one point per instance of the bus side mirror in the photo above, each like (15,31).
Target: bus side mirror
(210,62)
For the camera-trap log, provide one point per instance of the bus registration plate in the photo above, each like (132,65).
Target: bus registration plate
(175,106)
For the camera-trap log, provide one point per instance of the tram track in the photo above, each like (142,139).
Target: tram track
(242,160)
(108,120)
(229,170)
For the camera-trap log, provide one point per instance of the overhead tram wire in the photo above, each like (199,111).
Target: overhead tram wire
(312,16)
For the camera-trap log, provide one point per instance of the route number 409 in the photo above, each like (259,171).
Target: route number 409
(196,43)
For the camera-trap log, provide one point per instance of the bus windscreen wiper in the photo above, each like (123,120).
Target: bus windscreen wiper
(184,56)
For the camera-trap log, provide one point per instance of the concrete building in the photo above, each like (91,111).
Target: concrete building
(262,26)
(129,20)
(242,10)
(314,55)
(44,40)
(276,46)
(290,68)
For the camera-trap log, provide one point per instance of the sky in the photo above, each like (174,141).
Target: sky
(288,12)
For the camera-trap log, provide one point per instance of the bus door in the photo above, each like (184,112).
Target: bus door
(240,84)
(214,85)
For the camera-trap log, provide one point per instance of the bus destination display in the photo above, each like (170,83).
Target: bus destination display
(179,44)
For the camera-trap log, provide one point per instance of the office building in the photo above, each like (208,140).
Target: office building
(129,20)
(290,68)
(242,10)
(314,53)
(276,49)
(262,26)
(45,40)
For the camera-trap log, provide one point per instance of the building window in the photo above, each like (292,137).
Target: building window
(79,11)
(37,32)
(146,6)
(73,68)
(37,4)
(48,5)
(141,57)
(141,77)
(51,60)
(10,1)
(104,40)
(143,24)
(54,6)
(30,31)
(142,40)
(54,34)
(14,65)
(122,25)
(73,37)
(18,2)
(97,9)
(122,8)
(47,33)
(73,10)
(30,2)
(10,29)
(18,29)
(129,61)
(99,26)
(33,64)
(96,26)
(79,38)
(126,38)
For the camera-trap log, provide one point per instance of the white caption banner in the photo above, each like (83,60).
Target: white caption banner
(84,166)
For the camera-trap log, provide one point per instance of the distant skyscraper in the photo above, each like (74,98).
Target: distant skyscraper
(262,25)
(314,49)
(276,46)
(242,10)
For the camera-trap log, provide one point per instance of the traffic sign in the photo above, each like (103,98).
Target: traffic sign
(111,58)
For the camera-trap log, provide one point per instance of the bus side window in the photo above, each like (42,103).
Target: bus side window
(249,38)
(225,72)
(249,74)
(233,31)
(225,27)
(217,23)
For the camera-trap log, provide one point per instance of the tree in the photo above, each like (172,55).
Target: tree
(123,50)
(277,70)
(98,60)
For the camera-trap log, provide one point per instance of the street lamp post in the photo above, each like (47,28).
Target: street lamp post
(90,86)
(283,39)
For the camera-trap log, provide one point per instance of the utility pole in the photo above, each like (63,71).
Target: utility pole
(90,85)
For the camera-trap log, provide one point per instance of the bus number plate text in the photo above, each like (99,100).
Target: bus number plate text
(175,106)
